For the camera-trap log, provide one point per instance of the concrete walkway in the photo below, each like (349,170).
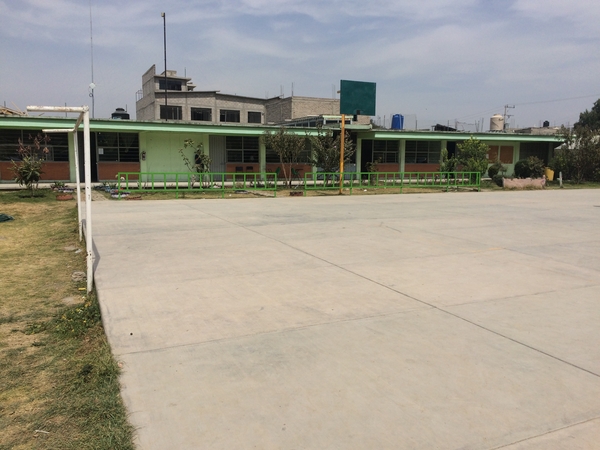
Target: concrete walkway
(450,321)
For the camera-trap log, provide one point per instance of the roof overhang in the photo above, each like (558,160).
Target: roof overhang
(364,131)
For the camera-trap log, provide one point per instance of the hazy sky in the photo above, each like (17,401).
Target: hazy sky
(435,61)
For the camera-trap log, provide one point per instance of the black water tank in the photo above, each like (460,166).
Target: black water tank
(546,124)
(120,114)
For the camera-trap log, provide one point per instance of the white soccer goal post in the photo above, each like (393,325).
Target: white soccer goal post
(84,116)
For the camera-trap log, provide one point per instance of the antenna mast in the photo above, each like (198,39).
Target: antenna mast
(92,85)
(506,116)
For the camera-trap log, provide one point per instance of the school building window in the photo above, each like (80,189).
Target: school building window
(254,117)
(501,153)
(58,144)
(229,115)
(168,112)
(422,152)
(202,114)
(172,85)
(271,155)
(242,149)
(118,147)
(383,151)
(538,149)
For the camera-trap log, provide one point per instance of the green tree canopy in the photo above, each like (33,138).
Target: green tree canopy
(288,147)
(590,119)
(326,150)
(579,157)
(472,155)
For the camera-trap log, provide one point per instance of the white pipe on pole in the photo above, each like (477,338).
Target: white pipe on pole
(84,111)
(88,198)
(73,109)
(76,153)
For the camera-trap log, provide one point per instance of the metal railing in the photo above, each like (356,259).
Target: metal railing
(182,182)
(322,181)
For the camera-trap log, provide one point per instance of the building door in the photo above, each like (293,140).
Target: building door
(451,147)
(366,154)
(218,154)
(93,157)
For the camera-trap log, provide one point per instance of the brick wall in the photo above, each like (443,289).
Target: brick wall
(107,171)
(53,171)
(310,106)
(214,101)
(279,109)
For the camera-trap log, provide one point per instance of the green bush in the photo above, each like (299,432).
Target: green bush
(495,168)
(472,155)
(28,171)
(579,157)
(447,164)
(498,179)
(532,167)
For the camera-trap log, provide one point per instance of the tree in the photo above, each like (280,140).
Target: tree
(447,164)
(28,171)
(201,162)
(288,147)
(578,158)
(590,119)
(472,155)
(325,150)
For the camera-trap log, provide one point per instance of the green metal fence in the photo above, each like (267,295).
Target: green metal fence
(313,181)
(320,181)
(196,182)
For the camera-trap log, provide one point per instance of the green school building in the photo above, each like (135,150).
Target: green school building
(153,146)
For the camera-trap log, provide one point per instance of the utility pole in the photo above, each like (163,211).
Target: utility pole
(506,116)
(164,16)
(342,138)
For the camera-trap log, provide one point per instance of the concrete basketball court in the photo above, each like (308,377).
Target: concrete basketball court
(449,321)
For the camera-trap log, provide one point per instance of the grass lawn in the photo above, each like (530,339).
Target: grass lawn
(59,386)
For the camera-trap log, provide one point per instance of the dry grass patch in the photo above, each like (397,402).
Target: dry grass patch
(58,380)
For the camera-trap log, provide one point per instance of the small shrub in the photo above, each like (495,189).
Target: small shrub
(373,167)
(28,171)
(447,164)
(532,167)
(496,168)
(498,179)
(75,321)
(58,185)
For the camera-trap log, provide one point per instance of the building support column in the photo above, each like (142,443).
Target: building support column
(262,155)
(443,145)
(402,154)
(358,154)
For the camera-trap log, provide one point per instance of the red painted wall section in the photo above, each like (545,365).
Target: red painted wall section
(301,168)
(270,168)
(422,168)
(5,172)
(53,171)
(242,167)
(107,171)
(388,167)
